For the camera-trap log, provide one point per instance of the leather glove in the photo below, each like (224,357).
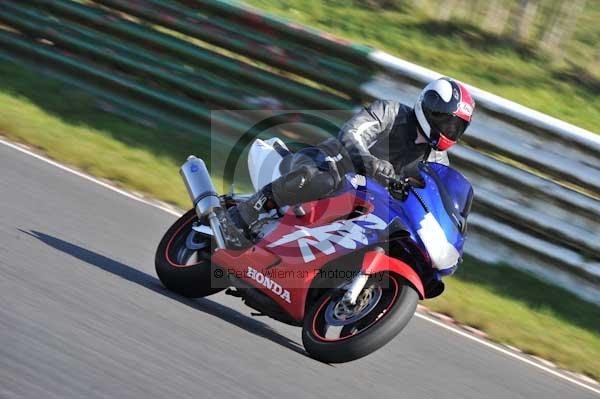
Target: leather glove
(382,170)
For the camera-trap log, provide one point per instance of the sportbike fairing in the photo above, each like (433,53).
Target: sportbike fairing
(434,217)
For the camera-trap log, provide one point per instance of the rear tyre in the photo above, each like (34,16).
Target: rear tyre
(183,260)
(336,333)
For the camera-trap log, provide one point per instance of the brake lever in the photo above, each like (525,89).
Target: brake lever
(415,182)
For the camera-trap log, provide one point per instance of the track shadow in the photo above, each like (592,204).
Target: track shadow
(205,305)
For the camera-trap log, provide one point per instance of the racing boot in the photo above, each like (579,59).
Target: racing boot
(234,238)
(247,212)
(296,187)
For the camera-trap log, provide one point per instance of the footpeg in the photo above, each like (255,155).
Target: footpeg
(299,211)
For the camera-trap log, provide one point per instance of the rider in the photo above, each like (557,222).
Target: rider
(384,140)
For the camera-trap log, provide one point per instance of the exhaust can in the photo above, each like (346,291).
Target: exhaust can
(199,186)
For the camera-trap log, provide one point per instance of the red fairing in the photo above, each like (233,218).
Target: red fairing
(284,273)
(466,105)
(375,262)
(281,272)
(444,143)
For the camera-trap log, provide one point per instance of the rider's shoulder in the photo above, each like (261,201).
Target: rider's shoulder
(392,106)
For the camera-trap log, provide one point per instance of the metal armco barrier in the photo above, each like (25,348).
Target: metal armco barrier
(168,64)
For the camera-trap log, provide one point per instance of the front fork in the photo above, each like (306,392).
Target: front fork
(377,261)
(358,283)
(355,287)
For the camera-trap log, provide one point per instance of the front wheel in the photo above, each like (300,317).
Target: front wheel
(183,259)
(336,332)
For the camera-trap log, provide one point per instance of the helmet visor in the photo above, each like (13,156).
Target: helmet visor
(449,125)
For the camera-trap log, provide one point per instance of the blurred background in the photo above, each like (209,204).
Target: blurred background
(125,90)
(565,31)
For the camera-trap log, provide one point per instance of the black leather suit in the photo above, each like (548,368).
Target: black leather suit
(384,130)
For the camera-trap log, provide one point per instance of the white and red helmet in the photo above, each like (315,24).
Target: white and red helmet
(444,110)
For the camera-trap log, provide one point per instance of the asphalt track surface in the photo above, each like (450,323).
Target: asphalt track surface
(83,315)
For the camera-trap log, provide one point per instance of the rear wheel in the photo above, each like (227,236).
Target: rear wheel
(337,332)
(183,259)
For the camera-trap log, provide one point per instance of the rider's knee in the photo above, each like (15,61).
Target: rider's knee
(306,183)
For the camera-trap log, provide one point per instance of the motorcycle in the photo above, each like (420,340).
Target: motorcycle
(349,269)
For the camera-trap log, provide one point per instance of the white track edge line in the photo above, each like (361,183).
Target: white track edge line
(86,176)
(507,352)
(424,317)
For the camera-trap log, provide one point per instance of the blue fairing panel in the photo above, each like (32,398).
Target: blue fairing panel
(447,196)
(458,187)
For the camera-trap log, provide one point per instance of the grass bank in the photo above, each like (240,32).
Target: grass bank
(68,125)
(512,307)
(458,49)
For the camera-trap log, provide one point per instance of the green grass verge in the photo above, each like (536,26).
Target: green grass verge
(509,305)
(459,50)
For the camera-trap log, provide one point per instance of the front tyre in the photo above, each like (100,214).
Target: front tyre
(335,332)
(183,259)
